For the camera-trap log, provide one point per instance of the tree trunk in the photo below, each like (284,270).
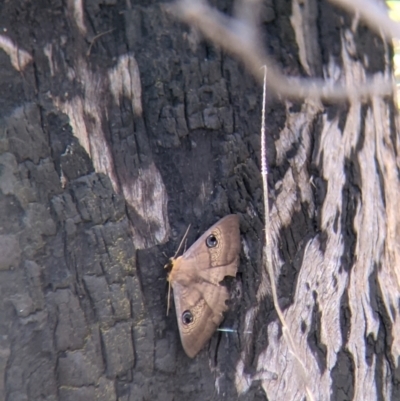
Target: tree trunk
(120,126)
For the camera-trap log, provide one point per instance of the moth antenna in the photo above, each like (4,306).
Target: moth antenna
(170,261)
(169,297)
(183,239)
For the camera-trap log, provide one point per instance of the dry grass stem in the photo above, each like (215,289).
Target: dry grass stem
(268,251)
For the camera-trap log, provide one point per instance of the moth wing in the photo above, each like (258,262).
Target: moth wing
(225,255)
(205,302)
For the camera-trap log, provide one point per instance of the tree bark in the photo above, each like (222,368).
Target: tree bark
(119,127)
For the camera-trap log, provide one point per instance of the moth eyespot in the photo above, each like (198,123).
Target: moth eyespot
(187,317)
(211,241)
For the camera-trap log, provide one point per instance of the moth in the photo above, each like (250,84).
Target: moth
(195,277)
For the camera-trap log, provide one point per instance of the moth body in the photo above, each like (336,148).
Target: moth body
(181,272)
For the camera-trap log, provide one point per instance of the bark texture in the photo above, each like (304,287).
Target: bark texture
(119,126)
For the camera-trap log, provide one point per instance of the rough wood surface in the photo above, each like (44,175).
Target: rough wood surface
(119,126)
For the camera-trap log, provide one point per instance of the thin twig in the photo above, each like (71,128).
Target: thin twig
(95,38)
(374,14)
(241,40)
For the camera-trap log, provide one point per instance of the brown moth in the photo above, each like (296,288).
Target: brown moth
(195,279)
